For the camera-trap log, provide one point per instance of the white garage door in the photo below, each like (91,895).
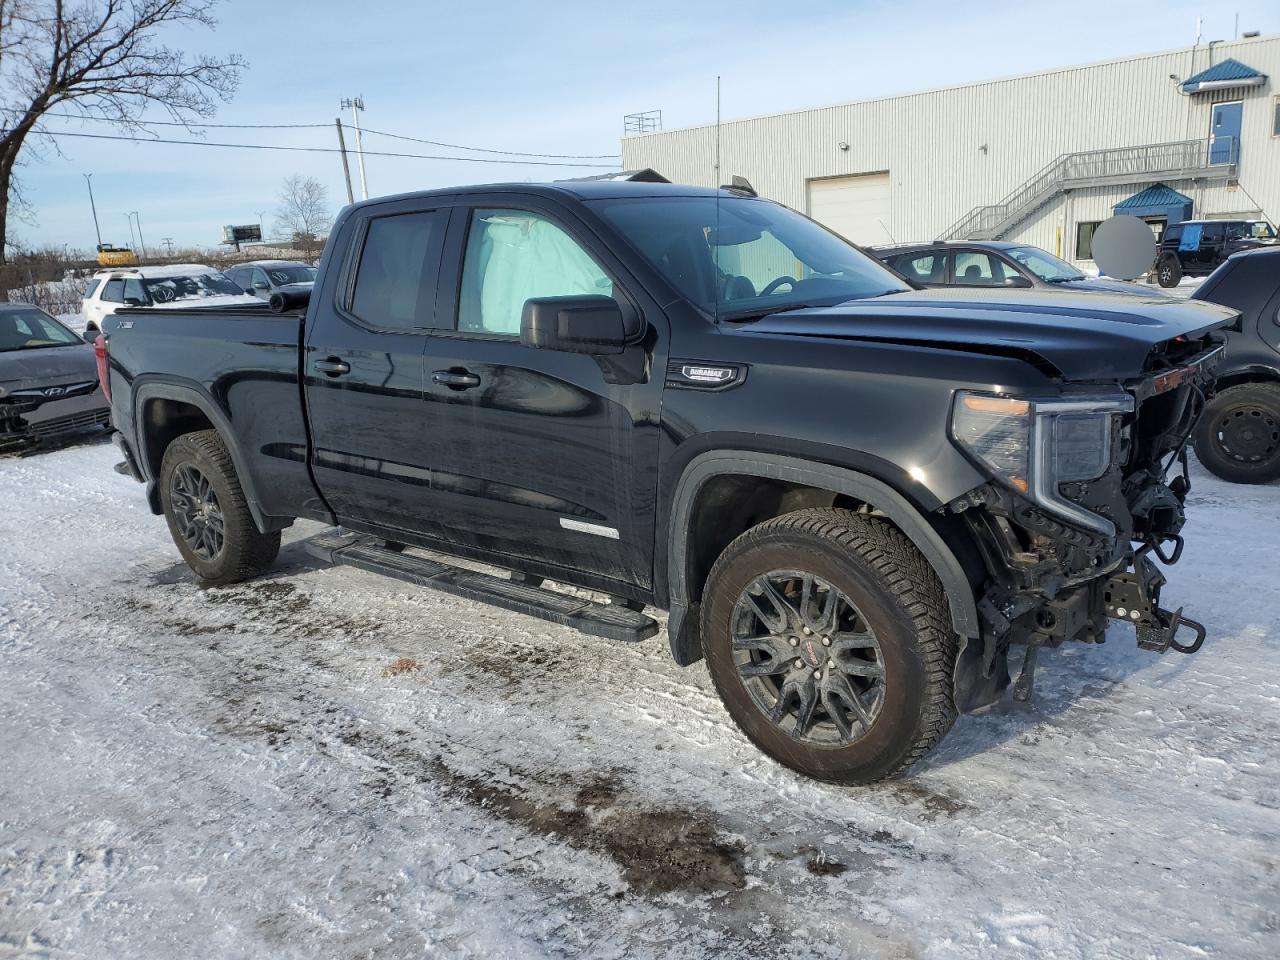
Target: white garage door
(857,208)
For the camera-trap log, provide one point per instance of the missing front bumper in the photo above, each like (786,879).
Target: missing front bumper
(1134,597)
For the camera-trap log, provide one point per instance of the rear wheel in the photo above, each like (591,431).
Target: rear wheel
(208,516)
(1238,434)
(1169,271)
(828,637)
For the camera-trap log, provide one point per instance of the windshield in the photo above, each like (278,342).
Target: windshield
(1261,230)
(30,329)
(168,289)
(1045,265)
(748,257)
(294,274)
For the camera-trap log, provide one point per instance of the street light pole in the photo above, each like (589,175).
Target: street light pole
(357,105)
(93,206)
(142,243)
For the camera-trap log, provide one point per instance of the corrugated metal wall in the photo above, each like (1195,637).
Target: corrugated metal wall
(932,143)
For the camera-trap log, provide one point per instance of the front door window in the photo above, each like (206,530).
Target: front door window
(513,256)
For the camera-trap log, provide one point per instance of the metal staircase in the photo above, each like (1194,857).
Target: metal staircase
(1181,160)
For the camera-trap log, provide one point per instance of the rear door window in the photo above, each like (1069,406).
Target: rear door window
(395,282)
(922,267)
(113,291)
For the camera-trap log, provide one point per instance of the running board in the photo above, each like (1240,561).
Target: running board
(612,621)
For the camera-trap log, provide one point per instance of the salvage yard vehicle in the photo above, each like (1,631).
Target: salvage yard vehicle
(1195,248)
(175,285)
(997,263)
(853,497)
(48,380)
(261,278)
(1238,436)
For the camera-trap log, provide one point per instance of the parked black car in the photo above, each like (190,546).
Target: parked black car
(1238,435)
(993,263)
(1195,248)
(48,379)
(851,496)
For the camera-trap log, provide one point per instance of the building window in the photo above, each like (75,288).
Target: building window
(1084,239)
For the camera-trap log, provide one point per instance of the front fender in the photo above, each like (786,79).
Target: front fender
(683,622)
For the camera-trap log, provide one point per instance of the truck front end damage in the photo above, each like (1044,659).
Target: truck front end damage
(1086,497)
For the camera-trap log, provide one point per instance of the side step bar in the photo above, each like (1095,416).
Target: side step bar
(612,621)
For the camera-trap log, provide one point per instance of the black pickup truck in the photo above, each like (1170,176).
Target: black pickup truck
(852,496)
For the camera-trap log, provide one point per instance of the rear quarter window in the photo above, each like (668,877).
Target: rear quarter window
(89,288)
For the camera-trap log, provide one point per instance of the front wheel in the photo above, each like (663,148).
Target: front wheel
(1238,435)
(1169,271)
(208,516)
(828,637)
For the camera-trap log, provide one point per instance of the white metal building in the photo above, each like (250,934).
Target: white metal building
(1042,158)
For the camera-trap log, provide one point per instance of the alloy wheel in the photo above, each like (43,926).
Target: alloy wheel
(808,658)
(197,511)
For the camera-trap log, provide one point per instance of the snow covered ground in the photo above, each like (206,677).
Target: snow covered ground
(323,763)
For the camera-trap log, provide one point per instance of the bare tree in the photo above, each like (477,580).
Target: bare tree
(303,215)
(100,59)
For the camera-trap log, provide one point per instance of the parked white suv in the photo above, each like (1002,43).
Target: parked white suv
(176,285)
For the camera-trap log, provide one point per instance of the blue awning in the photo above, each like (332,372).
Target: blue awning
(1158,200)
(1224,76)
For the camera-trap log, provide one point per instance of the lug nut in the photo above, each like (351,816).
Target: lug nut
(817,675)
(1134,615)
(1122,611)
(826,641)
(795,641)
(799,664)
(831,664)
(806,631)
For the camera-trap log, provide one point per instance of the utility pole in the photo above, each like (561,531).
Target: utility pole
(88,179)
(133,241)
(142,243)
(346,167)
(168,245)
(357,105)
(262,226)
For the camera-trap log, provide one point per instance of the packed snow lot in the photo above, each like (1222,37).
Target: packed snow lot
(323,763)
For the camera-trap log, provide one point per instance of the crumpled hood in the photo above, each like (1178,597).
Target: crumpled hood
(1083,336)
(22,370)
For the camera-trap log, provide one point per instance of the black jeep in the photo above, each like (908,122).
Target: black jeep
(1195,248)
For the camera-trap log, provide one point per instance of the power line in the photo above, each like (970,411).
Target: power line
(193,126)
(325,126)
(513,153)
(372,153)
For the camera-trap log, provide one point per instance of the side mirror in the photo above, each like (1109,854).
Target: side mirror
(261,285)
(577,324)
(1019,282)
(133,301)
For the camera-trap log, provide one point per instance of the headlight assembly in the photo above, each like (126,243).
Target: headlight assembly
(1035,445)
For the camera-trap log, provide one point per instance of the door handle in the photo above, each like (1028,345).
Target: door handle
(333,367)
(456,379)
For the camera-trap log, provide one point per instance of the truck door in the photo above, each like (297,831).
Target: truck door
(362,368)
(539,454)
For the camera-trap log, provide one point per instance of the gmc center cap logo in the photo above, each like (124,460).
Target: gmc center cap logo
(811,651)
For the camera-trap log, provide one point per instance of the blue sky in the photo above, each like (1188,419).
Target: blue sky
(552,78)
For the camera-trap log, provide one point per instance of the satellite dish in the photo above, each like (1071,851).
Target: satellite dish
(1124,247)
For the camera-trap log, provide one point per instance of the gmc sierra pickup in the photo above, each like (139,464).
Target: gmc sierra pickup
(852,496)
